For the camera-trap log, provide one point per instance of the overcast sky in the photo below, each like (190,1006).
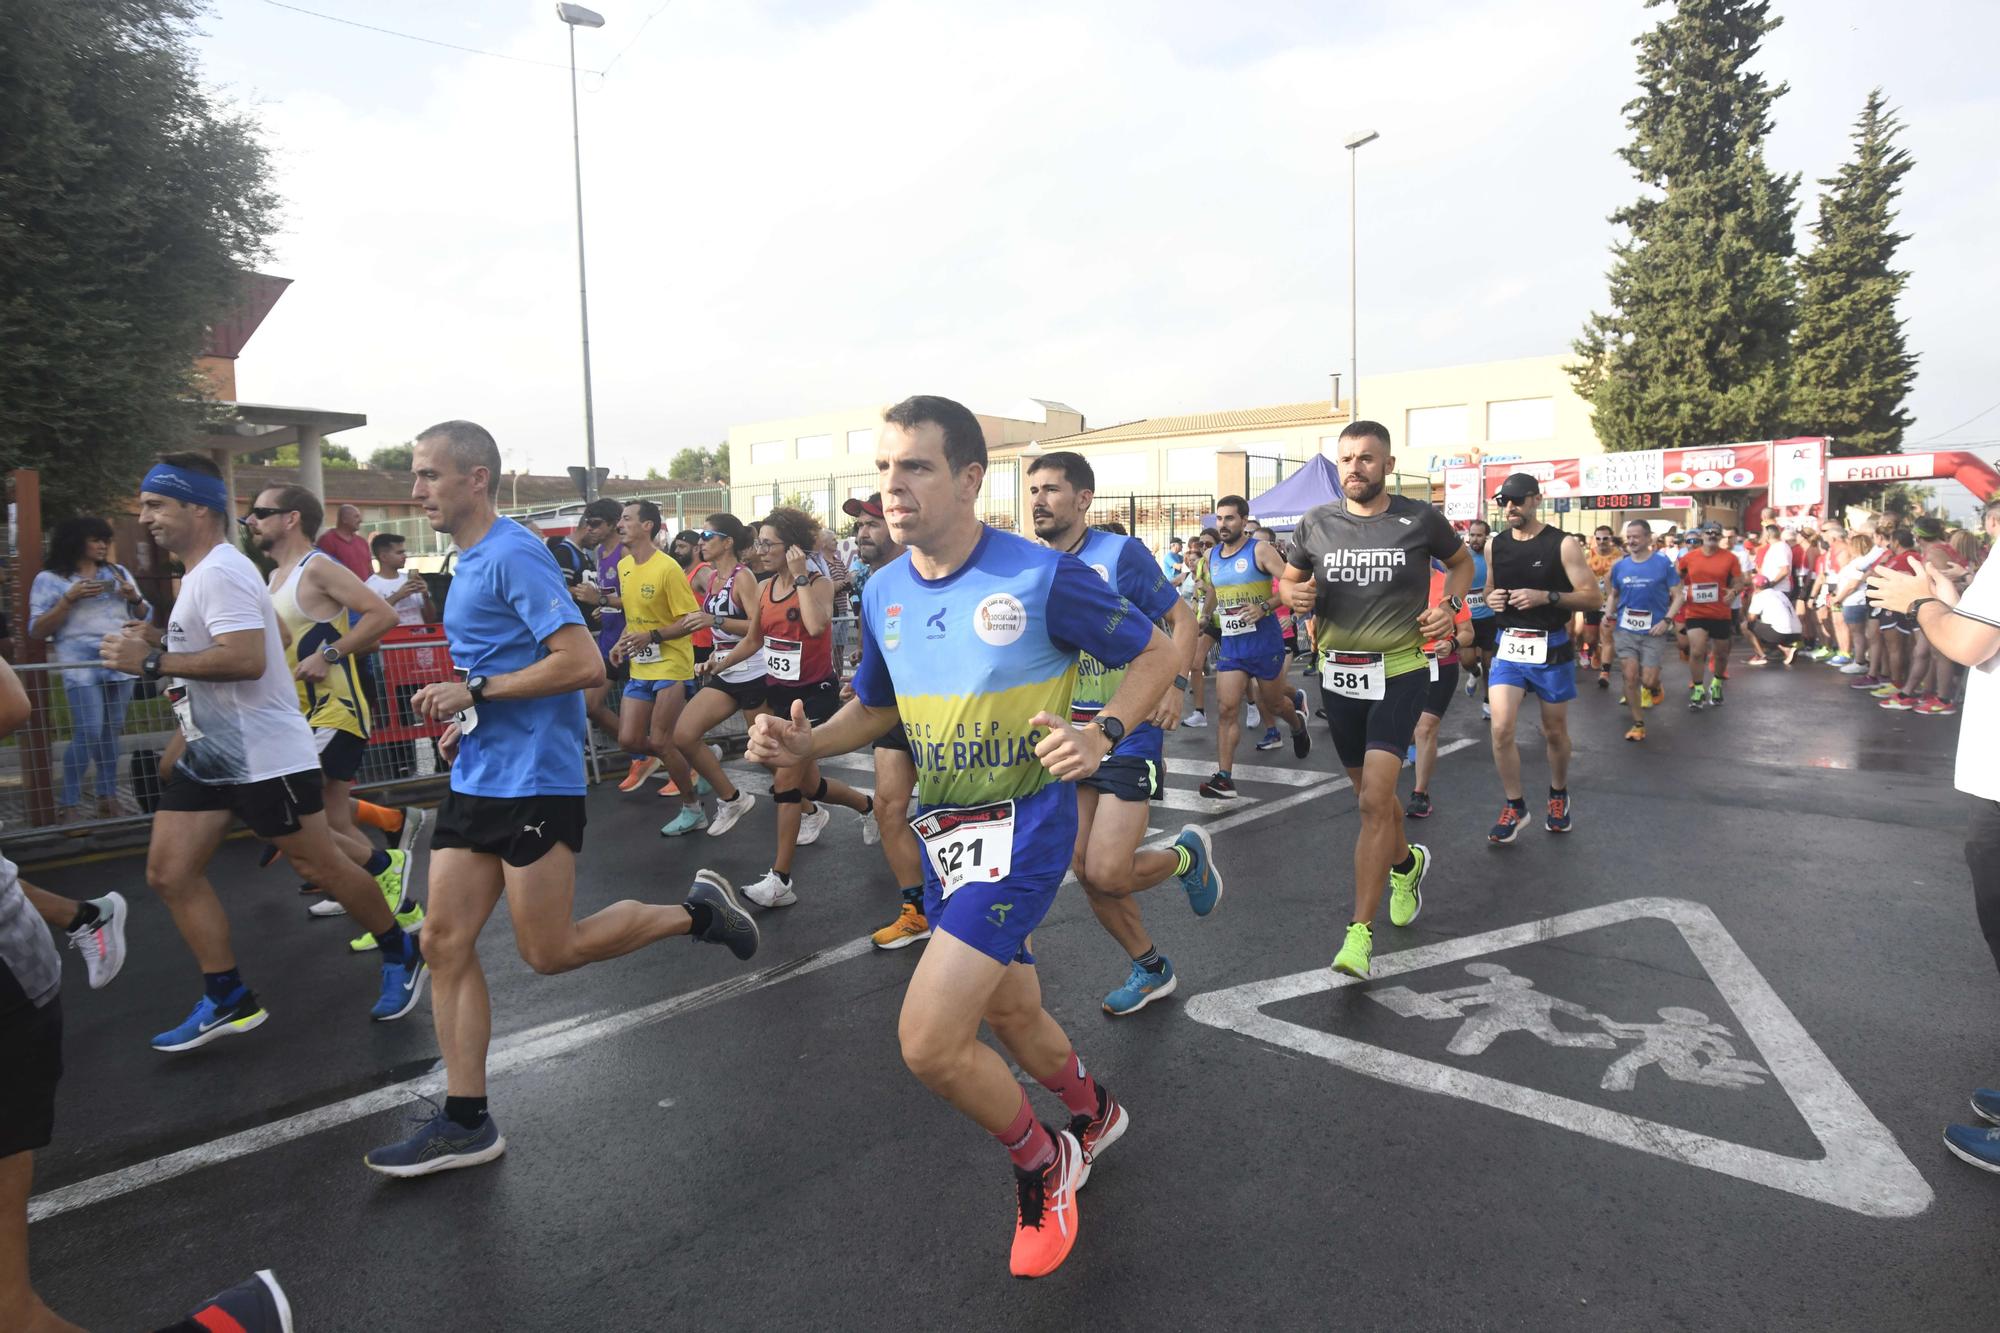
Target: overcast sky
(1138,207)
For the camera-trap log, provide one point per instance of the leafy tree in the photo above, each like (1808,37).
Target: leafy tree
(1693,349)
(653,474)
(705,466)
(1851,368)
(131,202)
(333,457)
(392,457)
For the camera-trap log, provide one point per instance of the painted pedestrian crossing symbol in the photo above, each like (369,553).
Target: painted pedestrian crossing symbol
(1685,1045)
(1500,1020)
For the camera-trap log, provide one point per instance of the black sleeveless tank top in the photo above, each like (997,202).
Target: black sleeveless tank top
(1535,563)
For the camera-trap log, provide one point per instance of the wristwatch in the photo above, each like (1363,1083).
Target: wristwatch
(1554,597)
(1456,604)
(476,687)
(152,667)
(1180,682)
(1113,729)
(331,652)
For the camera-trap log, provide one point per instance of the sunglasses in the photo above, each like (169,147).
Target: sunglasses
(261,512)
(707,534)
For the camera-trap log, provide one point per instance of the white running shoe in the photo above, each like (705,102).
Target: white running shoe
(728,812)
(1486,711)
(415,820)
(1251,719)
(326,907)
(102,945)
(814,824)
(1854,669)
(871,832)
(770,891)
(1195,719)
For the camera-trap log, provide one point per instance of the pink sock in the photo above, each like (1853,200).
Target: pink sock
(1077,1089)
(1025,1140)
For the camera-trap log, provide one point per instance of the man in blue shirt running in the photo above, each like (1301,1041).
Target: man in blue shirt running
(1643,594)
(971,646)
(513,819)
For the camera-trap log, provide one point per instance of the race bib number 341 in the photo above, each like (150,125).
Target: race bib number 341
(1524,645)
(967,844)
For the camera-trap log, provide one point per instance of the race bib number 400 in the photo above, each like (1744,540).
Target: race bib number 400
(1237,619)
(1704,594)
(1524,645)
(1639,622)
(781,659)
(1355,675)
(965,844)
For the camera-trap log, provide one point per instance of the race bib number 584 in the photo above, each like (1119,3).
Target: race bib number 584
(965,844)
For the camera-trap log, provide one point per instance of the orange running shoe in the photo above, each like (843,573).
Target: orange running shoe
(641,769)
(1045,1219)
(1637,733)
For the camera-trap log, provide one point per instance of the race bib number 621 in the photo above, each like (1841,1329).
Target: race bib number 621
(965,844)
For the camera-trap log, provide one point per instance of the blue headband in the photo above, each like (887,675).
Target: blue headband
(195,488)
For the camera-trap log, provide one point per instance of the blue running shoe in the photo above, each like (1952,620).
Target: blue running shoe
(440,1144)
(1986,1105)
(1410,755)
(1302,743)
(688,820)
(1202,881)
(1974,1144)
(211,1020)
(402,987)
(728,923)
(1271,740)
(1141,988)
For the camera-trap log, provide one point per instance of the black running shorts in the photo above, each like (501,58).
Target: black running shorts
(1388,724)
(520,830)
(31,1053)
(273,808)
(1437,699)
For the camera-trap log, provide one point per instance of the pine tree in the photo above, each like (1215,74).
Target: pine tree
(1694,348)
(1851,369)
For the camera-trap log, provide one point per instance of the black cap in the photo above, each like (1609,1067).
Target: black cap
(1518,486)
(872,507)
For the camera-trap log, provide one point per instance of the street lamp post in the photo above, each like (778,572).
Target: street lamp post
(1353,145)
(577,16)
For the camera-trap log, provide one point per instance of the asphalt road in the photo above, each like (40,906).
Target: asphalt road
(699,1143)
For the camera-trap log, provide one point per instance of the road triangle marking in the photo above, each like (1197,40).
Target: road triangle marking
(1863,1170)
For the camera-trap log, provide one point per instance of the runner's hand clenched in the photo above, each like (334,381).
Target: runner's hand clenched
(1069,753)
(776,742)
(1434,623)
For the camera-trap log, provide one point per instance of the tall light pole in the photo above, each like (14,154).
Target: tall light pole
(577,16)
(1355,293)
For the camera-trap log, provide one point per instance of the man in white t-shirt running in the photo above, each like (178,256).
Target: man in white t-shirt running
(1965,627)
(244,750)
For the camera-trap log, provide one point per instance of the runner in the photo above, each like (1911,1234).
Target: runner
(1539,576)
(1712,577)
(513,819)
(792,633)
(726,546)
(244,751)
(1643,596)
(970,645)
(1446,656)
(1113,803)
(1241,570)
(1592,631)
(599,600)
(660,618)
(1484,634)
(315,597)
(1361,566)
(1201,595)
(895,772)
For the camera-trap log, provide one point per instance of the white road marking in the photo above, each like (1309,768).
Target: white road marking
(533,1045)
(1863,1170)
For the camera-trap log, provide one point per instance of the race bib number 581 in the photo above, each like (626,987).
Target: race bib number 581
(965,844)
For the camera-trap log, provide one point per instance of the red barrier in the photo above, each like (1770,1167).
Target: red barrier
(412,657)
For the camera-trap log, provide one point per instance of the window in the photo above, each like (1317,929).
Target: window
(1190,467)
(1120,472)
(815,446)
(765,453)
(1521,419)
(861,443)
(1429,428)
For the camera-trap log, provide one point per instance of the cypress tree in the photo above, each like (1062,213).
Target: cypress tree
(1694,347)
(1851,369)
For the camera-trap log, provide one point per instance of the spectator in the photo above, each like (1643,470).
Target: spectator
(79,597)
(406,594)
(1172,564)
(345,543)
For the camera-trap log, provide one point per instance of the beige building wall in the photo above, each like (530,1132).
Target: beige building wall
(1497,411)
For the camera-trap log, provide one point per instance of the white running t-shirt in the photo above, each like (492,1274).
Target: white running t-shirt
(239,730)
(1979,726)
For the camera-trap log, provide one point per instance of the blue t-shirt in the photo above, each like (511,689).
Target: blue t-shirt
(1645,585)
(507,598)
(1476,595)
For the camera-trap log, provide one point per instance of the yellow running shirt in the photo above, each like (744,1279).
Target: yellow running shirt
(656,594)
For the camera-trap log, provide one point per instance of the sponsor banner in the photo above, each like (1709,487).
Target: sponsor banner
(1621,474)
(1882,467)
(1798,475)
(1726,467)
(1559,477)
(1462,499)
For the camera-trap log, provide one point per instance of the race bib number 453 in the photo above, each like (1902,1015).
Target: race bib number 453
(965,844)
(781,658)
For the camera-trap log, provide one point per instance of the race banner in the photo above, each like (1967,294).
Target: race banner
(1882,467)
(1462,500)
(1727,467)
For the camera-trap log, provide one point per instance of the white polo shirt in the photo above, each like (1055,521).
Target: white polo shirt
(1979,726)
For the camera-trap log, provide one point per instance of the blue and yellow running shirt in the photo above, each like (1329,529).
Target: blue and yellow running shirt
(1237,580)
(969,658)
(1125,564)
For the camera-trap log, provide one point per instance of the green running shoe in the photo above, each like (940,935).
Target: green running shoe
(1356,953)
(390,881)
(1406,892)
(410,920)
(1715,690)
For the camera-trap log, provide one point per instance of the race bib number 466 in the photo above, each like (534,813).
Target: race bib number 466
(965,844)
